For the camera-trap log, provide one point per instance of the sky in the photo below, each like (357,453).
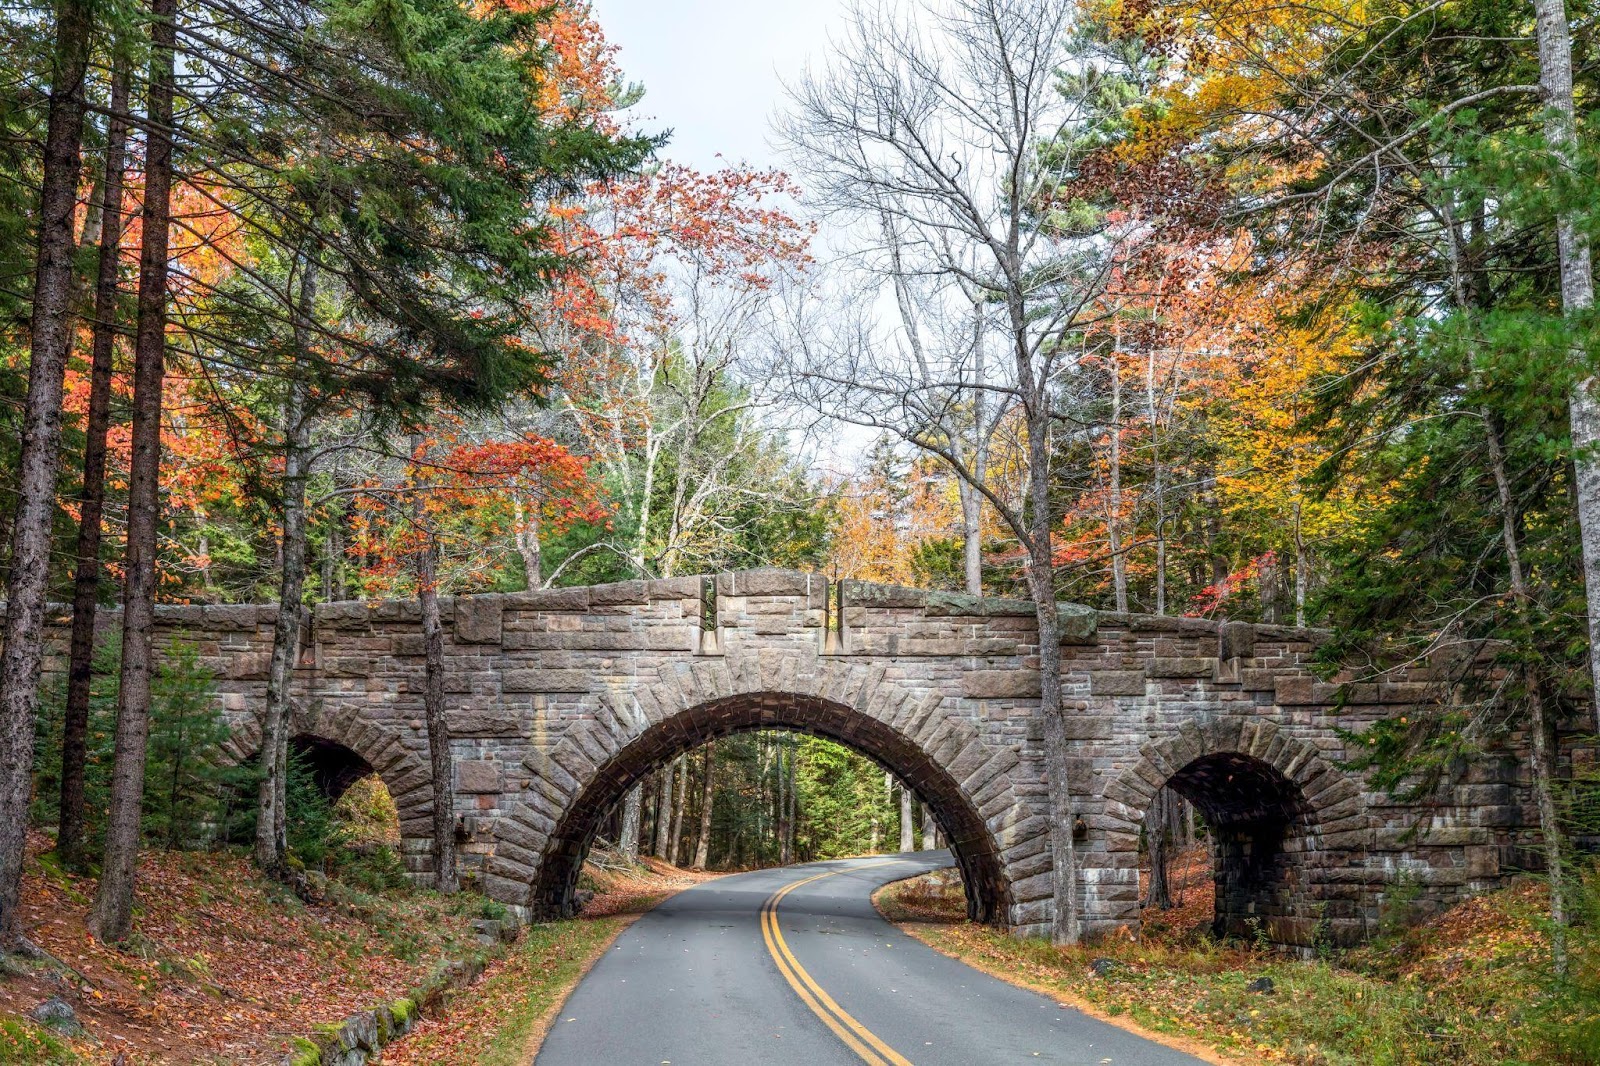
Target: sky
(713,69)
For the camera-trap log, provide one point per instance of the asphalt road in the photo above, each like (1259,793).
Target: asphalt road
(795,966)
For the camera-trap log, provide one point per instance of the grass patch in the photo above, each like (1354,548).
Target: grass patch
(498,1022)
(29,1045)
(1471,988)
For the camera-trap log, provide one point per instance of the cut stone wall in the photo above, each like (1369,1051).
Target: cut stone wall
(558,700)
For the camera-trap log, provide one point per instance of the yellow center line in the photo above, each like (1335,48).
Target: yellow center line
(856,1036)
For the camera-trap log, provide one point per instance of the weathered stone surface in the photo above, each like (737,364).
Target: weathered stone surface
(1116,683)
(479,618)
(558,699)
(478,775)
(1001,684)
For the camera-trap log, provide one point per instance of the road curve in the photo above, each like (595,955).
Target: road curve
(796,966)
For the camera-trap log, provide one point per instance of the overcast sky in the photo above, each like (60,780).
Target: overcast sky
(712,69)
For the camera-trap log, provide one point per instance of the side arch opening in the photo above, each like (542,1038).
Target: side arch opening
(975,850)
(333,766)
(1260,828)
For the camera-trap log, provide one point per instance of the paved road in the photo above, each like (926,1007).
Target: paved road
(698,982)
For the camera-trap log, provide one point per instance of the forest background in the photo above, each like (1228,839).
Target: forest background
(1260,312)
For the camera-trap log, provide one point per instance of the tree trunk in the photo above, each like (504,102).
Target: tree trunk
(971,537)
(908,839)
(675,845)
(113,902)
(444,815)
(86,579)
(527,539)
(791,815)
(930,829)
(271,833)
(1577,297)
(1119,562)
(1157,828)
(51,339)
(1302,569)
(702,846)
(1057,749)
(1158,476)
(632,807)
(1541,729)
(664,811)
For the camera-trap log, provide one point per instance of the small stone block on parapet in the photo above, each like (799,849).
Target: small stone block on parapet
(1236,640)
(479,619)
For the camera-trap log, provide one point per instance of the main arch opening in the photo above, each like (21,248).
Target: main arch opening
(1258,825)
(973,846)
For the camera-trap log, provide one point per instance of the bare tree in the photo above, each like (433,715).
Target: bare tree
(953,122)
(664,794)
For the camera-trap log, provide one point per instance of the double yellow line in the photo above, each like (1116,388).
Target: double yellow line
(856,1036)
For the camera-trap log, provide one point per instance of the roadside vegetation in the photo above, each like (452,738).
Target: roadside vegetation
(505,1018)
(1471,986)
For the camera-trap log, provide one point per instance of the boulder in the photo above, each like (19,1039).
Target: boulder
(56,1013)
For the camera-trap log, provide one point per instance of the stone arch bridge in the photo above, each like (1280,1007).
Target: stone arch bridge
(559,700)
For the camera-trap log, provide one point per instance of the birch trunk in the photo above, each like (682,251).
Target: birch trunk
(675,847)
(527,539)
(702,847)
(1119,564)
(1577,297)
(971,537)
(908,840)
(22,650)
(113,902)
(632,808)
(1302,569)
(86,577)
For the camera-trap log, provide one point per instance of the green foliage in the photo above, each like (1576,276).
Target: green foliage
(185,775)
(315,835)
(191,792)
(841,807)
(845,808)
(372,868)
(29,1045)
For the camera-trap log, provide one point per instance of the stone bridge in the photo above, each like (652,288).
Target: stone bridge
(559,700)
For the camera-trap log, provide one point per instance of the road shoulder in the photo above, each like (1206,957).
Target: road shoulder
(931,920)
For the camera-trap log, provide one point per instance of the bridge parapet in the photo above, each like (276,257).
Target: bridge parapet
(559,699)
